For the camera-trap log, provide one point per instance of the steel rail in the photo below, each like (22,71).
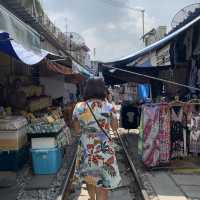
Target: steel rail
(133,169)
(63,194)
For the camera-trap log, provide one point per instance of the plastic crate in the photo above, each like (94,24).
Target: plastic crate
(46,161)
(13,160)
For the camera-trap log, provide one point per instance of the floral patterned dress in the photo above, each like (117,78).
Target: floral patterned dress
(96,161)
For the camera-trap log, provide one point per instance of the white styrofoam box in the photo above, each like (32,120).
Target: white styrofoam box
(12,123)
(13,139)
(43,143)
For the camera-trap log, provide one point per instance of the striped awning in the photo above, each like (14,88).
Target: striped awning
(58,68)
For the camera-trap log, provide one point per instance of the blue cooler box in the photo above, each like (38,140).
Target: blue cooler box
(46,161)
(13,160)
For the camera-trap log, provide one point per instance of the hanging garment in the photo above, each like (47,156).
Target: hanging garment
(177,139)
(198,78)
(164,134)
(177,143)
(193,74)
(188,108)
(188,43)
(140,137)
(130,116)
(196,40)
(195,134)
(151,143)
(179,50)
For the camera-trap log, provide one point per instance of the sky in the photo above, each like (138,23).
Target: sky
(108,25)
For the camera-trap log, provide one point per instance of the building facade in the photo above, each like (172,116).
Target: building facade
(51,38)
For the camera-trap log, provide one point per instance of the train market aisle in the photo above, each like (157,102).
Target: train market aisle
(127,190)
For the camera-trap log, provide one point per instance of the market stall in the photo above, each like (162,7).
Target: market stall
(28,118)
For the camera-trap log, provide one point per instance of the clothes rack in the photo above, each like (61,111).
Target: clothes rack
(176,102)
(194,102)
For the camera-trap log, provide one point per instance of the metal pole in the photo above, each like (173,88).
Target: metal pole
(70,44)
(143,24)
(34,8)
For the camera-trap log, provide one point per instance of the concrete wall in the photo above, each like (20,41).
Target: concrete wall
(56,87)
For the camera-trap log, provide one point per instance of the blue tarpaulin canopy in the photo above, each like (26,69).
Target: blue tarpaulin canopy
(19,40)
(16,50)
(128,63)
(157,45)
(30,57)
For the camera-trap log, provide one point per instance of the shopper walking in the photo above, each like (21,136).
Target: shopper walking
(96,163)
(111,107)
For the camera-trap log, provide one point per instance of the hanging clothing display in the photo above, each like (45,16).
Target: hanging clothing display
(196,40)
(140,137)
(192,78)
(194,126)
(169,131)
(178,50)
(151,141)
(154,138)
(164,134)
(188,43)
(178,133)
(130,116)
(198,78)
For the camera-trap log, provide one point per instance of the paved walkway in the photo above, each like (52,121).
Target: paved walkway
(169,186)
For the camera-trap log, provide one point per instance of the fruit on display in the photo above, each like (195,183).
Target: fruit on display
(32,90)
(44,127)
(35,104)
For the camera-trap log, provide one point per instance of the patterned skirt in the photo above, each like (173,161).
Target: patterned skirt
(96,161)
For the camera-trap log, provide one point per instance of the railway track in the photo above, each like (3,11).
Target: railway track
(140,188)
(66,189)
(138,183)
(131,187)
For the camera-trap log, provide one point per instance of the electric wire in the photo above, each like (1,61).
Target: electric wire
(153,78)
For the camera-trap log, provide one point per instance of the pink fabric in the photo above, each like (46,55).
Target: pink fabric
(164,134)
(151,136)
(156,135)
